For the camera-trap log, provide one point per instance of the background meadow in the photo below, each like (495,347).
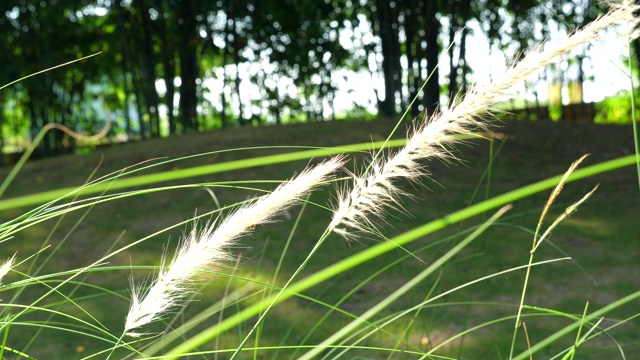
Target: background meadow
(600,239)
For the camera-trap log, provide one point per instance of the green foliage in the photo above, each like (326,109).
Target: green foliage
(555,111)
(178,66)
(615,109)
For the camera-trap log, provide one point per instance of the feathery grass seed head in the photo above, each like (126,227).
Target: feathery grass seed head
(6,267)
(376,189)
(204,249)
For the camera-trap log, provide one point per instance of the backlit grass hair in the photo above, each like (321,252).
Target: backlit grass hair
(204,249)
(376,190)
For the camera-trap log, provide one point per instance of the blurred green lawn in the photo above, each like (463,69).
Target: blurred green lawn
(601,238)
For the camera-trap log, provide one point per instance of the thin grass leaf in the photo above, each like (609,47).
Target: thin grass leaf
(204,249)
(404,288)
(210,333)
(536,242)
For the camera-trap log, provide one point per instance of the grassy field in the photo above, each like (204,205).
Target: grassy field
(601,239)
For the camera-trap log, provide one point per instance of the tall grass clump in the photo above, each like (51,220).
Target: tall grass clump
(295,311)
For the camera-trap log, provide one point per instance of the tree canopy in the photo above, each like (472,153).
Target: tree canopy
(175,66)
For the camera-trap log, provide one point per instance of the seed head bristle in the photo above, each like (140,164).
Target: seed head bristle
(204,249)
(375,190)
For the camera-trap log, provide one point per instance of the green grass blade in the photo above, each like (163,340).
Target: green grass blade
(403,289)
(574,326)
(142,180)
(384,247)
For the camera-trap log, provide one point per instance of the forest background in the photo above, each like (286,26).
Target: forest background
(179,66)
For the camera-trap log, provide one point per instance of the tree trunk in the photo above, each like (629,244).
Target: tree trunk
(148,69)
(188,68)
(413,62)
(453,66)
(462,60)
(169,66)
(223,95)
(389,38)
(432,89)
(232,32)
(126,72)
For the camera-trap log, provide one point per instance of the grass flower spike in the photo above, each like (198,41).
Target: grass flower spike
(203,249)
(5,267)
(431,138)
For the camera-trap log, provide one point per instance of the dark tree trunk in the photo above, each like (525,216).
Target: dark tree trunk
(223,95)
(236,61)
(36,124)
(148,69)
(188,68)
(389,39)
(432,29)
(457,65)
(453,66)
(134,61)
(47,114)
(411,21)
(462,60)
(232,40)
(396,54)
(168,65)
(125,62)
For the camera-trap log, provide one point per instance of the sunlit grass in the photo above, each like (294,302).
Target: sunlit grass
(429,269)
(291,320)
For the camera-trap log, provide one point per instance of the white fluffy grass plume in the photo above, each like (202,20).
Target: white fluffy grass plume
(203,249)
(376,189)
(6,267)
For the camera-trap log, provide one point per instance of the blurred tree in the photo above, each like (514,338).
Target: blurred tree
(34,32)
(174,66)
(385,24)
(461,12)
(302,39)
(189,74)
